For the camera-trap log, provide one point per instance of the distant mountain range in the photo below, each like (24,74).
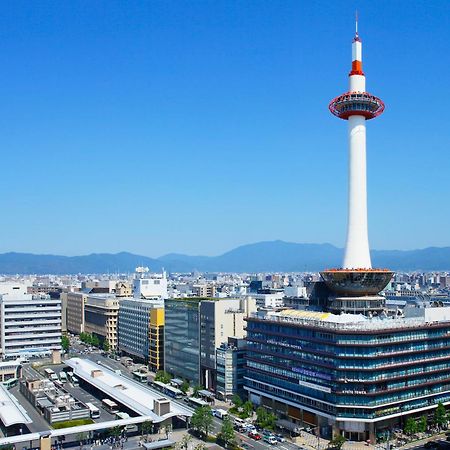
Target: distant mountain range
(272,256)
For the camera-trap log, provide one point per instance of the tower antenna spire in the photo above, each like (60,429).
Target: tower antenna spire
(356,22)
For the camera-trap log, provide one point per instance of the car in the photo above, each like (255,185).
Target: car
(280,438)
(431,445)
(270,440)
(254,435)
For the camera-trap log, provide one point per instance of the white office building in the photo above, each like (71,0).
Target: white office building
(149,285)
(29,324)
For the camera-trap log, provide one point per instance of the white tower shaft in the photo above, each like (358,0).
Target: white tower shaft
(357,253)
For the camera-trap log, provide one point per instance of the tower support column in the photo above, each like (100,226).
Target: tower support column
(357,254)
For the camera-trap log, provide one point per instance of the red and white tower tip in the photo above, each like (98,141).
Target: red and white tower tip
(356,278)
(357,106)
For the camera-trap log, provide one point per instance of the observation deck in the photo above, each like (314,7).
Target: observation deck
(356,104)
(356,282)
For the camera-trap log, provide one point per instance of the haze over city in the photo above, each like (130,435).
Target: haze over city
(196,127)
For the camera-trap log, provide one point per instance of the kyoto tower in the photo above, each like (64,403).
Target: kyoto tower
(355,286)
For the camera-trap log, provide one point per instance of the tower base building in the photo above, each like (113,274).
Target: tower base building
(348,374)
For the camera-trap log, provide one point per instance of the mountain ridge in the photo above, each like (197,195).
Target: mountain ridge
(266,256)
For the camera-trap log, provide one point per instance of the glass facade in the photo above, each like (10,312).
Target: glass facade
(182,338)
(343,374)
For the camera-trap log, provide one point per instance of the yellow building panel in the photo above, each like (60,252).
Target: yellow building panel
(157,317)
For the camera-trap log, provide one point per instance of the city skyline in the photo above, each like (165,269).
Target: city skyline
(197,128)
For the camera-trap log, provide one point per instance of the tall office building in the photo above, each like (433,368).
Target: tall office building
(75,302)
(29,324)
(195,328)
(136,329)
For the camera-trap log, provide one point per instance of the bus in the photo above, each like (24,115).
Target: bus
(73,379)
(50,374)
(141,377)
(93,411)
(62,376)
(168,390)
(196,402)
(110,406)
(10,383)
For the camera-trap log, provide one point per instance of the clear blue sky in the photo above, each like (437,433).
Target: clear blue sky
(197,126)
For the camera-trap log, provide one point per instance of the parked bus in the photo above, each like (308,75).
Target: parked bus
(10,383)
(110,406)
(62,376)
(50,374)
(73,379)
(168,390)
(196,402)
(141,377)
(93,410)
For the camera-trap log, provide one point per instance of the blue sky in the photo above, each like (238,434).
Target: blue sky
(198,126)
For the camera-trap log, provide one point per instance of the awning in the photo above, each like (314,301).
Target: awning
(290,426)
(204,393)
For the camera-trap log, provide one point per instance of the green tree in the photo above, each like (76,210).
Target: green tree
(196,390)
(95,340)
(106,345)
(65,343)
(227,434)
(410,426)
(422,425)
(163,377)
(185,386)
(247,409)
(202,420)
(265,419)
(440,415)
(337,442)
(115,431)
(237,401)
(147,427)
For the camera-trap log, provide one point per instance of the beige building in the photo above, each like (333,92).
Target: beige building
(204,290)
(123,289)
(101,312)
(75,311)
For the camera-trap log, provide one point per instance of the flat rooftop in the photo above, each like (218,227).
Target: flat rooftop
(414,317)
(131,394)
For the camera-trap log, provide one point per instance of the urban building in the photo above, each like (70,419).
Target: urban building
(136,329)
(349,374)
(149,285)
(194,328)
(231,369)
(101,314)
(204,290)
(29,324)
(75,314)
(182,338)
(219,320)
(55,404)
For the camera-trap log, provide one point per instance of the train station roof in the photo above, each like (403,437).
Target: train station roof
(123,390)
